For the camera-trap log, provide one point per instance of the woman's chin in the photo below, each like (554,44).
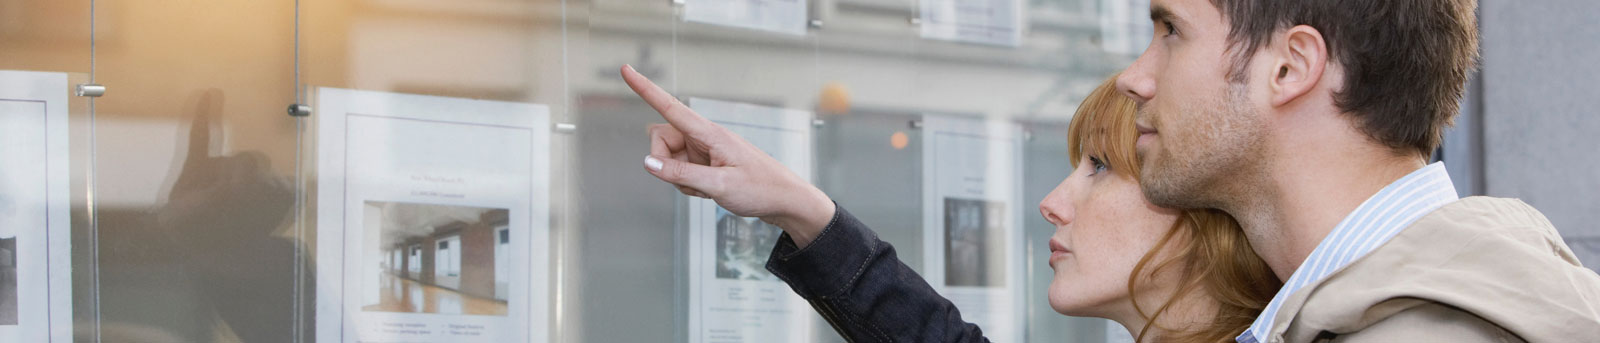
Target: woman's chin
(1063,303)
(1072,310)
(1075,301)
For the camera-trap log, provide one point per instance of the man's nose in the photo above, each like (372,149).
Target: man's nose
(1136,82)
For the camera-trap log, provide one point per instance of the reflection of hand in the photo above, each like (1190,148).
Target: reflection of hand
(706,160)
(224,197)
(220,218)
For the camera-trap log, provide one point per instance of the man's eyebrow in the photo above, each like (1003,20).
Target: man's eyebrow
(1159,13)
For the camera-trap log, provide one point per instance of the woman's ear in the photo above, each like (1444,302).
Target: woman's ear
(1299,64)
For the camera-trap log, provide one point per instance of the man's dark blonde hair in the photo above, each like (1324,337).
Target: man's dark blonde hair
(1405,61)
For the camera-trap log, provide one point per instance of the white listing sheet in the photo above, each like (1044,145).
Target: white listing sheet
(432,219)
(972,239)
(991,22)
(783,16)
(35,260)
(732,296)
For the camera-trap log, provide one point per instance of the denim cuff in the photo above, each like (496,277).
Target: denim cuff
(831,263)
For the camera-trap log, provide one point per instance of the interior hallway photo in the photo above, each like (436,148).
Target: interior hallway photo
(404,295)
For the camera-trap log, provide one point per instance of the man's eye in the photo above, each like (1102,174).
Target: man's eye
(1171,30)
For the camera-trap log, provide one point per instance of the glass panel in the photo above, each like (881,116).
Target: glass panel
(753,70)
(626,255)
(195,190)
(454,101)
(886,143)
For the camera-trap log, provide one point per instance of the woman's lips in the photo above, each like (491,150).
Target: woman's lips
(1057,251)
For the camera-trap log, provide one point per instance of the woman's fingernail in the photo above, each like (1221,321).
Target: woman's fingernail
(652,163)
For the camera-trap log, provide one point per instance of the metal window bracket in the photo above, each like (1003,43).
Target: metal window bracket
(299,110)
(92,90)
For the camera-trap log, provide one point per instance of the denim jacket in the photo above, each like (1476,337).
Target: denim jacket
(854,280)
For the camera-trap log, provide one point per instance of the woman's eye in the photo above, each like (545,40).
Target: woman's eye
(1097,165)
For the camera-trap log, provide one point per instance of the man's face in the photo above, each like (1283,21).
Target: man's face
(1195,126)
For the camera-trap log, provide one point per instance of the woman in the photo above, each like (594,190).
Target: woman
(1166,275)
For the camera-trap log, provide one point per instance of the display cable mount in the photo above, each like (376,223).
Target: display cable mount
(299,110)
(92,90)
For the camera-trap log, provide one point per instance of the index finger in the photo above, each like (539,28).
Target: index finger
(675,112)
(200,128)
(197,163)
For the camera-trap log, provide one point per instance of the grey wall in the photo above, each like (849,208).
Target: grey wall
(1541,112)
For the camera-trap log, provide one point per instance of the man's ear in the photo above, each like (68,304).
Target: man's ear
(1299,64)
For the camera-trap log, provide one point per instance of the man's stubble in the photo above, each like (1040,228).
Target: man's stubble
(1216,164)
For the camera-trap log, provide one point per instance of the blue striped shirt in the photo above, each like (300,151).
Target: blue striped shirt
(1377,220)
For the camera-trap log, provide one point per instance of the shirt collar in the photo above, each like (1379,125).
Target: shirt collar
(1378,219)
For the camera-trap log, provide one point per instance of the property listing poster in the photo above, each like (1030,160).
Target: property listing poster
(432,219)
(732,297)
(35,231)
(990,22)
(781,16)
(972,239)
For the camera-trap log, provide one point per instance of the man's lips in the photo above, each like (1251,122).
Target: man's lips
(1057,251)
(1144,129)
(1146,133)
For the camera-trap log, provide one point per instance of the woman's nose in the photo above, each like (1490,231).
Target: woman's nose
(1055,208)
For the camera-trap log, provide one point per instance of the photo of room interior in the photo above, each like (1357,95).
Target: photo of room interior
(437,259)
(8,278)
(743,245)
(974,243)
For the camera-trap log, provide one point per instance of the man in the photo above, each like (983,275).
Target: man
(1311,122)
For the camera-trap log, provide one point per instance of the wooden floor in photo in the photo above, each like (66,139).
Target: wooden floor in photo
(406,295)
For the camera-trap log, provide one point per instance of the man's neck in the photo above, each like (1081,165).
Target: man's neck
(1311,182)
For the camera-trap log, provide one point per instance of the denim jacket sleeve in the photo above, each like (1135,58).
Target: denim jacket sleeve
(854,280)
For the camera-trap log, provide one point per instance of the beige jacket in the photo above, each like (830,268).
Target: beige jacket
(1476,270)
